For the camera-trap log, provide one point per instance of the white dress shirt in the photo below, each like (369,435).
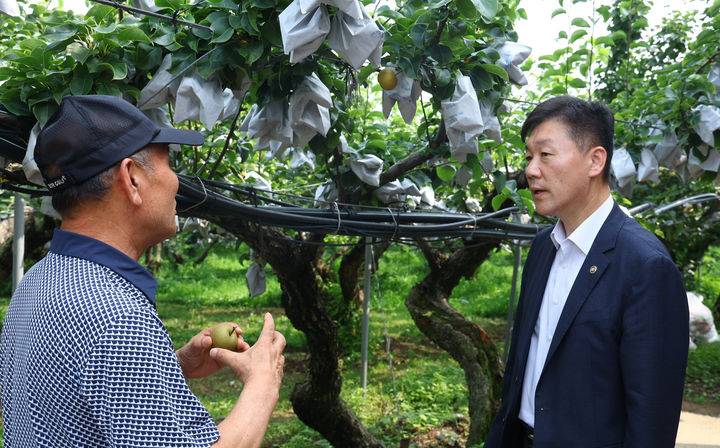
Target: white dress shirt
(570,256)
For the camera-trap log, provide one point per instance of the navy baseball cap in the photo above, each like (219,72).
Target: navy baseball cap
(90,133)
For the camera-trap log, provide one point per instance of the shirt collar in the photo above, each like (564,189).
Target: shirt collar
(585,234)
(81,246)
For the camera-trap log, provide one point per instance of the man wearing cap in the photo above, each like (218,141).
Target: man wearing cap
(84,359)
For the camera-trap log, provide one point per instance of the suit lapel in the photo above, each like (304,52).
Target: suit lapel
(592,270)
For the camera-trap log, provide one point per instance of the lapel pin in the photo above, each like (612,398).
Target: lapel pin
(593,269)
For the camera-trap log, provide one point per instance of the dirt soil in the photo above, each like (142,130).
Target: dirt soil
(711,409)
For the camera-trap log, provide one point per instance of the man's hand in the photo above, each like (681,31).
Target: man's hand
(260,368)
(262,363)
(195,359)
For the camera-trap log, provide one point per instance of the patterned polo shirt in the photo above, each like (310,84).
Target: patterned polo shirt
(86,362)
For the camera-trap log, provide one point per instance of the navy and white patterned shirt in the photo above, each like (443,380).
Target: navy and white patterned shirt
(85,360)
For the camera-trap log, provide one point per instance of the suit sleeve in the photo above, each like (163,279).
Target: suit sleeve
(653,351)
(498,428)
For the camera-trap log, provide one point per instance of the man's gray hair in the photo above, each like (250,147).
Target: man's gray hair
(96,187)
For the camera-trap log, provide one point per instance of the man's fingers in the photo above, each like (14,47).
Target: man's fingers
(268,327)
(279,341)
(221,355)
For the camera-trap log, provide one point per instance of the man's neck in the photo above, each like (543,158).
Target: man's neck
(103,228)
(596,199)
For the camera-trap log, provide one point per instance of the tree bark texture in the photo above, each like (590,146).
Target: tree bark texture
(316,401)
(464,340)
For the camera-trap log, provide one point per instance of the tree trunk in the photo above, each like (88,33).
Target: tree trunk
(466,341)
(316,401)
(153,258)
(38,231)
(350,267)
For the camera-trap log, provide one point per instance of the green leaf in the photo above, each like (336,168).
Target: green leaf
(577,83)
(443,77)
(386,11)
(271,32)
(579,21)
(164,39)
(605,40)
(99,12)
(557,12)
(467,9)
(133,34)
(481,78)
(408,66)
(172,4)
(499,180)
(235,22)
(107,29)
(440,53)
(253,51)
(263,4)
(31,43)
(498,200)
(605,12)
(81,83)
(202,33)
(224,37)
(61,34)
(40,97)
(109,89)
(457,28)
(119,70)
(147,57)
(418,34)
(577,34)
(486,8)
(7,73)
(445,172)
(29,61)
(473,162)
(496,70)
(619,35)
(43,111)
(377,144)
(527,200)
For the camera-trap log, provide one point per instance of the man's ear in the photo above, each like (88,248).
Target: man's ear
(598,158)
(128,179)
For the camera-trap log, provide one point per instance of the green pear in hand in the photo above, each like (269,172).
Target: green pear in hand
(224,336)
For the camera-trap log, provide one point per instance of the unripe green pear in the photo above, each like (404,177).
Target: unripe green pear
(224,336)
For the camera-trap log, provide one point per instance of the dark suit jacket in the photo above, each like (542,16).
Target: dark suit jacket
(615,371)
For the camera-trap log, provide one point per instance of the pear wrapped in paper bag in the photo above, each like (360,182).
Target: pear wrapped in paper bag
(405,94)
(303,32)
(356,40)
(463,119)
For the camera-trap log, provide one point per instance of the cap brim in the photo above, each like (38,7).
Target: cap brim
(179,136)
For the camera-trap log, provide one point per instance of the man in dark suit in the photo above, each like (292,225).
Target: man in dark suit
(599,345)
